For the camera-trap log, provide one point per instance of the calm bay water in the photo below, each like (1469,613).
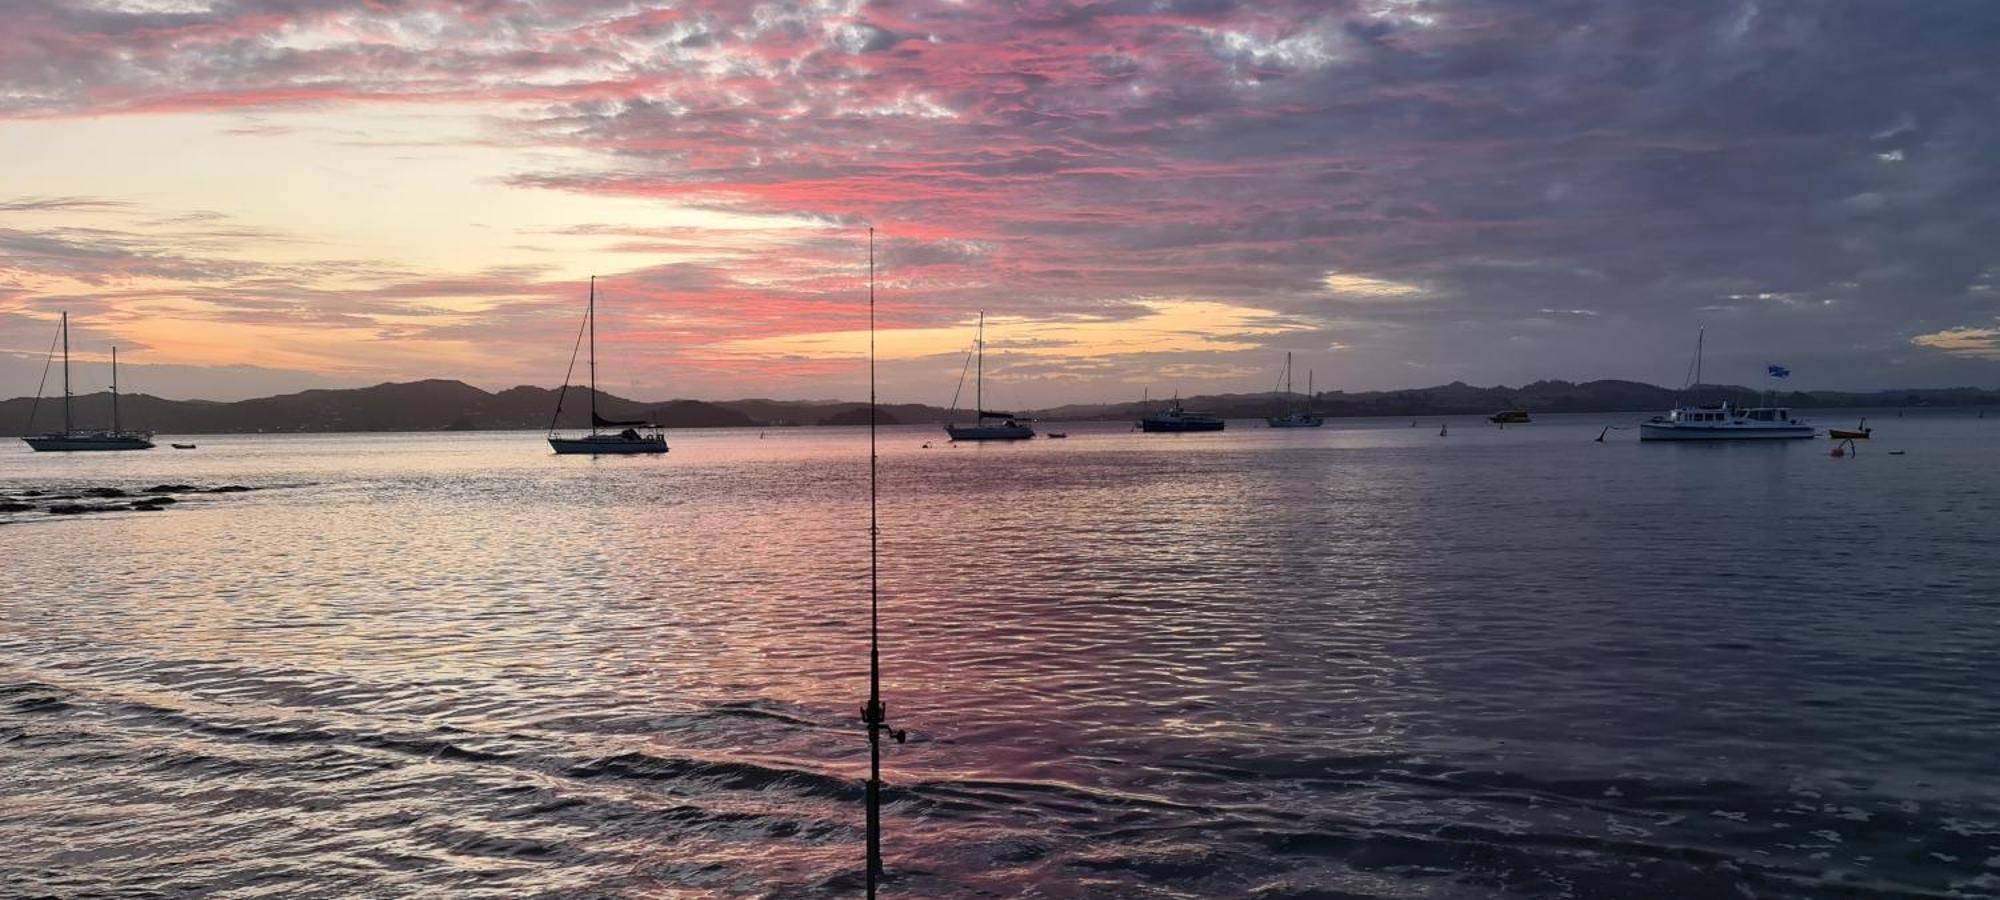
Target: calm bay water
(1358,661)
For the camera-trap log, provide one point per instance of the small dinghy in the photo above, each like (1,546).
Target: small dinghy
(183,446)
(1859,432)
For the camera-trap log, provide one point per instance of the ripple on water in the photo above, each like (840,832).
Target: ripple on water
(1342,664)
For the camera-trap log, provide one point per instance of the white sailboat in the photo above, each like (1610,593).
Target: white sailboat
(987,425)
(72,440)
(630,437)
(1295,418)
(1723,421)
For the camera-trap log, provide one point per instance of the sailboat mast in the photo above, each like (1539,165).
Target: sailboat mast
(114,388)
(1699,335)
(65,331)
(979,373)
(590,315)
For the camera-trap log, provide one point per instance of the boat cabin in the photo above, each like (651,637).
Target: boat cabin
(1702,415)
(1719,415)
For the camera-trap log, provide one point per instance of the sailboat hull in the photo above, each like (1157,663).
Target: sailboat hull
(1179,426)
(1294,421)
(989,432)
(608,445)
(75,443)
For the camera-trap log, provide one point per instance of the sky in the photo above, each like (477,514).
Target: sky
(251,197)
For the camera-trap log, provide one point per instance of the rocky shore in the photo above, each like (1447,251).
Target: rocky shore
(18,504)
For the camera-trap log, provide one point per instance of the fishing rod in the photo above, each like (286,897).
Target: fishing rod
(876,714)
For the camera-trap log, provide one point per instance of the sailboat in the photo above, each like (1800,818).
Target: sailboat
(1005,428)
(1723,421)
(1294,418)
(70,439)
(637,436)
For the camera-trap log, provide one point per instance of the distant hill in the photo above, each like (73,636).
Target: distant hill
(434,405)
(441,405)
(1459,398)
(858,415)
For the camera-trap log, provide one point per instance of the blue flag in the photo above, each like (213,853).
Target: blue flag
(1778,371)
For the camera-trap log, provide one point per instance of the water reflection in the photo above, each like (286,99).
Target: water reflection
(1359,659)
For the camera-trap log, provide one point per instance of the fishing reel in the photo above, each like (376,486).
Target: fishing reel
(875,714)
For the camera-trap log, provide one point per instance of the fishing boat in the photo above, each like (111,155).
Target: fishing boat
(1294,418)
(1177,420)
(987,425)
(636,436)
(1859,432)
(1722,421)
(71,440)
(1510,417)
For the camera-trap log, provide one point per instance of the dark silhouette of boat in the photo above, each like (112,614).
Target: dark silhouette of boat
(987,425)
(70,439)
(1176,420)
(628,439)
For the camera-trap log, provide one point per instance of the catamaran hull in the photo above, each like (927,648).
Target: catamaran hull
(1651,432)
(606,446)
(989,433)
(1294,423)
(81,444)
(1152,426)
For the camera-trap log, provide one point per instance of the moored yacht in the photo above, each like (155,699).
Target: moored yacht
(1174,419)
(987,425)
(636,436)
(1295,418)
(1721,421)
(71,440)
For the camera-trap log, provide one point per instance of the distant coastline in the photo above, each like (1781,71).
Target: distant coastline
(443,405)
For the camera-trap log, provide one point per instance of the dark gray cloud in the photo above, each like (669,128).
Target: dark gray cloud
(1474,189)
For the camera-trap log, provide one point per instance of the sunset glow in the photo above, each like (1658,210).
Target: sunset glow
(1136,193)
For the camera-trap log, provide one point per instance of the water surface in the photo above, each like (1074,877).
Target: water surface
(1363,660)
